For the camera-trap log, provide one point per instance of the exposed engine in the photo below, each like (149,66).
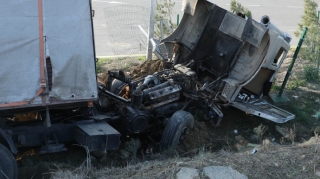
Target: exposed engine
(157,94)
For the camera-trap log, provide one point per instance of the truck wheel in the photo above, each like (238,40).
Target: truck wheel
(176,129)
(8,165)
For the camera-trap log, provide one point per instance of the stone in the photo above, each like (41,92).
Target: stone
(218,172)
(317,170)
(188,173)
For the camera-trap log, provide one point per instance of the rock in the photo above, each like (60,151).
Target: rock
(218,172)
(188,173)
(317,170)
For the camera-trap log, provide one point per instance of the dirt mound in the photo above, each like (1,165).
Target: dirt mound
(146,68)
(136,70)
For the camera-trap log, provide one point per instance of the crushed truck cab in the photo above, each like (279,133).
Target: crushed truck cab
(240,54)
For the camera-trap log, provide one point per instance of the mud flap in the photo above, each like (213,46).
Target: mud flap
(265,110)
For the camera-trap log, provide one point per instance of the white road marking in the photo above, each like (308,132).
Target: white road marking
(116,2)
(111,2)
(297,7)
(252,5)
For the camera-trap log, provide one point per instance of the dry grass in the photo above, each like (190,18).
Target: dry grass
(271,161)
(299,161)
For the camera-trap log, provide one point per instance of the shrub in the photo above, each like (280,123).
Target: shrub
(310,73)
(295,83)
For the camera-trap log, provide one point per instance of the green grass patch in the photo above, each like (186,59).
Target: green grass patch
(275,88)
(295,83)
(125,66)
(311,73)
(142,58)
(101,61)
(303,114)
(291,85)
(105,60)
(108,60)
(304,108)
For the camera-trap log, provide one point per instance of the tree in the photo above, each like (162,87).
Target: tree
(238,8)
(164,11)
(312,39)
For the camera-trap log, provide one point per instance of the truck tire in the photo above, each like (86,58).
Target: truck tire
(176,129)
(8,164)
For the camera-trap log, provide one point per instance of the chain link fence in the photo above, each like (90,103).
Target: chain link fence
(127,30)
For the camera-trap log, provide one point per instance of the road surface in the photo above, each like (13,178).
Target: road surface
(283,13)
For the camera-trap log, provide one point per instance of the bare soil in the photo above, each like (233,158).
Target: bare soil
(231,144)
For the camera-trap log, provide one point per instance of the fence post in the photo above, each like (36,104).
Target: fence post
(161,29)
(178,19)
(151,28)
(293,61)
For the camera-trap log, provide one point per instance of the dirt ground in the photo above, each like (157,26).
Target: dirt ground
(231,144)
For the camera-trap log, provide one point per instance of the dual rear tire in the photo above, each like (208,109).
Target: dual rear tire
(8,164)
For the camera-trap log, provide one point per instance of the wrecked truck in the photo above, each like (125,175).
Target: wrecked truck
(49,93)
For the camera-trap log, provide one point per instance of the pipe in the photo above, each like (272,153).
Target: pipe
(137,98)
(265,20)
(162,85)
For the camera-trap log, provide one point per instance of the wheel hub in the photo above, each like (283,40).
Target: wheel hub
(183,135)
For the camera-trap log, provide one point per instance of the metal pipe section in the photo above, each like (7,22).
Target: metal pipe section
(265,20)
(162,85)
(137,98)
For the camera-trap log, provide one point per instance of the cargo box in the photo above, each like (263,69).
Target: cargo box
(47,54)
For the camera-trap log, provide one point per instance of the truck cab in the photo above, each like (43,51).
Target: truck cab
(239,53)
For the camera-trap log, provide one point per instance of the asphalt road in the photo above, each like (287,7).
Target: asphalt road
(283,13)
